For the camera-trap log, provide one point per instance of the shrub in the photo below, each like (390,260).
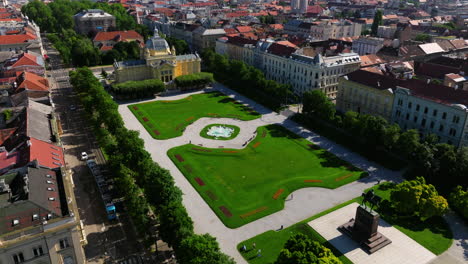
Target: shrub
(194,81)
(459,201)
(138,89)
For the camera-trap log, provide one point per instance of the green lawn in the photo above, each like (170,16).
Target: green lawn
(244,185)
(204,132)
(435,235)
(168,119)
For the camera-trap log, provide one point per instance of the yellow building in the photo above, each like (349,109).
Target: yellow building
(366,92)
(158,62)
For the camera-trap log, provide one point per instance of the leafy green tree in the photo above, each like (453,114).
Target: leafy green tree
(175,223)
(415,197)
(408,142)
(391,136)
(301,249)
(315,102)
(181,46)
(195,80)
(459,201)
(423,37)
(378,21)
(201,249)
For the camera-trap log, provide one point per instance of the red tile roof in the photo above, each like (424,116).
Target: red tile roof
(31,81)
(23,59)
(9,160)
(280,50)
(118,36)
(13,39)
(47,155)
(315,9)
(244,29)
(6,133)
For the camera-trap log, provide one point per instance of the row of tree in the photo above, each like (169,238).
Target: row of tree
(247,80)
(138,89)
(194,81)
(144,185)
(56,18)
(441,164)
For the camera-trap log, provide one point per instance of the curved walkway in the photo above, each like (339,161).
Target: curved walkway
(306,202)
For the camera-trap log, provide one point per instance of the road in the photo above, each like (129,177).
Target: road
(107,242)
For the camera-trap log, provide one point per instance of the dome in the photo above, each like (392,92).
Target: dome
(157,43)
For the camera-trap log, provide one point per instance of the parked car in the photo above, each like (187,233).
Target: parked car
(84,156)
(72,107)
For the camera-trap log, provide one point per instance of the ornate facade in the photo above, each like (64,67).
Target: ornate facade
(159,61)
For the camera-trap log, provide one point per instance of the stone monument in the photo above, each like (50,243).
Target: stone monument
(363,228)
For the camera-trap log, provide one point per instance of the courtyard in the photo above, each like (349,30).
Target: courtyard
(242,185)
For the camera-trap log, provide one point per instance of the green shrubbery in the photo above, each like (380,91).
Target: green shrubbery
(138,89)
(139,179)
(459,201)
(301,249)
(194,81)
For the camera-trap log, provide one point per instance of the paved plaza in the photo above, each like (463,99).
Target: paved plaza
(402,250)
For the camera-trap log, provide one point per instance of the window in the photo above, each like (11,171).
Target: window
(432,124)
(398,113)
(415,119)
(444,115)
(63,243)
(434,113)
(18,257)
(400,102)
(15,222)
(35,217)
(423,122)
(452,131)
(425,110)
(441,128)
(407,116)
(417,107)
(37,251)
(456,119)
(409,105)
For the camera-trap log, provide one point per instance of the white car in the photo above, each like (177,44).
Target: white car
(84,156)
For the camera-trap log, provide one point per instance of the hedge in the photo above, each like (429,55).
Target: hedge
(194,81)
(138,89)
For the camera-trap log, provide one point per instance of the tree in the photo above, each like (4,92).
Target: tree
(175,224)
(415,197)
(201,249)
(378,21)
(459,201)
(301,249)
(423,37)
(315,102)
(408,142)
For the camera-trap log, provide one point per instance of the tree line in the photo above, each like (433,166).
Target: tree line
(194,81)
(138,89)
(441,164)
(143,183)
(56,18)
(247,80)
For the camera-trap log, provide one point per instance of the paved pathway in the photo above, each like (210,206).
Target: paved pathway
(306,202)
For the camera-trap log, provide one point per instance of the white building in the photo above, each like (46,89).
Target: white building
(330,29)
(367,45)
(302,69)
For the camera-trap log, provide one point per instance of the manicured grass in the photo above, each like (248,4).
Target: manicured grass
(435,235)
(168,119)
(244,185)
(204,132)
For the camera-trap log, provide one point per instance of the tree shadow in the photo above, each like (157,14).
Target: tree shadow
(279,131)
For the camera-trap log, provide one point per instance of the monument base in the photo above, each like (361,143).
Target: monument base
(363,229)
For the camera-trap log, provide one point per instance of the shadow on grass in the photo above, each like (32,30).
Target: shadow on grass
(279,131)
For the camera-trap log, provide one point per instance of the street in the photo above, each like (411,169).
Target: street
(106,241)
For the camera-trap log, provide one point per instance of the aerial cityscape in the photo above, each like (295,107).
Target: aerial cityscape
(234,131)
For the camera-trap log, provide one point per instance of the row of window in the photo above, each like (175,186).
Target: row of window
(452,131)
(38,251)
(455,118)
(35,217)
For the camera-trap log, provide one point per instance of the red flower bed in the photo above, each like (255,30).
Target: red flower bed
(225,211)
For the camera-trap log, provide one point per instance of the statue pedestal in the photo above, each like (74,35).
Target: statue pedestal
(363,229)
